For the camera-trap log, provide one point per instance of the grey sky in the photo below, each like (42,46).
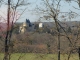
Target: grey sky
(30,11)
(65,7)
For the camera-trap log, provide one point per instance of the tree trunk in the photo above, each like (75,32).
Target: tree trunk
(6,55)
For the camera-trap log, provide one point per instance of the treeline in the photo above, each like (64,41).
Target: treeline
(30,42)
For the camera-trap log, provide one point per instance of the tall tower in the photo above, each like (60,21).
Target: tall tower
(40,25)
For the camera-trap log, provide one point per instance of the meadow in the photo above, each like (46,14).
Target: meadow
(37,56)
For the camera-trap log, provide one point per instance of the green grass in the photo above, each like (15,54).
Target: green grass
(1,56)
(34,56)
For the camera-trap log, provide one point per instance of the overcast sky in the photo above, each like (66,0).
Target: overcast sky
(65,7)
(32,16)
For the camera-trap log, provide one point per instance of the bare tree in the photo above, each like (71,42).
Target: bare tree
(12,17)
(53,12)
(51,9)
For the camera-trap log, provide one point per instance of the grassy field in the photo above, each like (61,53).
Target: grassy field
(33,56)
